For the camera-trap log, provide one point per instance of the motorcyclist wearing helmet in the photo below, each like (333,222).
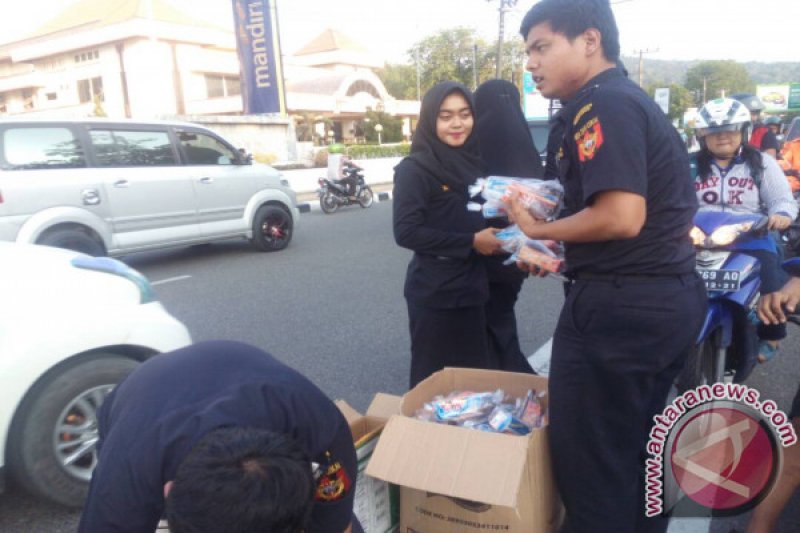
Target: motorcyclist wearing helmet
(734,176)
(773,123)
(762,137)
(790,162)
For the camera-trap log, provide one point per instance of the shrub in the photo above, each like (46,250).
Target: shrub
(373,151)
(365,151)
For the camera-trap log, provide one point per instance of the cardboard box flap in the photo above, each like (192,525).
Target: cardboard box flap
(457,462)
(384,405)
(350,414)
(450,379)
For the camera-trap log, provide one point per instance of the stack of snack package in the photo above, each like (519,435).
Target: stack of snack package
(542,199)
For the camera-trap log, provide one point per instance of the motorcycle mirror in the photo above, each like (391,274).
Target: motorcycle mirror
(792,266)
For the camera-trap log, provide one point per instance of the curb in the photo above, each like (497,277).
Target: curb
(307,207)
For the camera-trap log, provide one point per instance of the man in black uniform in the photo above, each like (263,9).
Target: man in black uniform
(636,305)
(223,438)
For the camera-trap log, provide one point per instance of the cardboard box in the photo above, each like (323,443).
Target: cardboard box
(376,502)
(456,479)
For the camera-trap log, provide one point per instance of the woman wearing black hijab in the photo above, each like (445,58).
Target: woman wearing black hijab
(507,149)
(446,286)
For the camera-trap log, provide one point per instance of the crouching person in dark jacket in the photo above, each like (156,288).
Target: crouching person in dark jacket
(220,437)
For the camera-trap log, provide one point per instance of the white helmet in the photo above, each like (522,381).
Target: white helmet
(722,114)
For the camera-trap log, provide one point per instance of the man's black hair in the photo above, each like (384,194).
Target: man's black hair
(573,17)
(237,480)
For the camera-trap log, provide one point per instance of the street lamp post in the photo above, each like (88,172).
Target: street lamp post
(378,130)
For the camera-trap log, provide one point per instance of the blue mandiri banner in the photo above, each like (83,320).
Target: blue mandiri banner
(259,56)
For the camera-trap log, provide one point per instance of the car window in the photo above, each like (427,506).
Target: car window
(53,147)
(118,148)
(201,149)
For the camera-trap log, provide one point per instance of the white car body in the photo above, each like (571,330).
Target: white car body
(113,187)
(52,312)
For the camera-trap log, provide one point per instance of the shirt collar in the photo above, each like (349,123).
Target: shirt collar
(607,75)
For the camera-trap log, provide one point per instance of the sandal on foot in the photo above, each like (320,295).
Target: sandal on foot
(766,351)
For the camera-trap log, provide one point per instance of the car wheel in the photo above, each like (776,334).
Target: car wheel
(328,203)
(272,228)
(73,239)
(52,441)
(365,197)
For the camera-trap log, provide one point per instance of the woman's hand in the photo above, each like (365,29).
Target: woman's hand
(778,222)
(485,242)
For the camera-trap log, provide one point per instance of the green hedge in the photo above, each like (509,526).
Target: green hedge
(374,151)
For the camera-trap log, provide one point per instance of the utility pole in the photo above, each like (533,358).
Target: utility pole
(641,62)
(474,66)
(505,5)
(416,56)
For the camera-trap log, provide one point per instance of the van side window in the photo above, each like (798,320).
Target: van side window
(117,148)
(201,149)
(31,148)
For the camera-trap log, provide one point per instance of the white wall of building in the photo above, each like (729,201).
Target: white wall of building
(149,73)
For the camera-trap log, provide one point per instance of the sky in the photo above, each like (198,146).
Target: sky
(742,30)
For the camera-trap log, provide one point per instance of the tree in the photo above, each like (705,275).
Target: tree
(453,54)
(400,80)
(718,78)
(680,98)
(392,127)
(447,55)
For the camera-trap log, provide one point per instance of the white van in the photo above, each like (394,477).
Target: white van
(110,187)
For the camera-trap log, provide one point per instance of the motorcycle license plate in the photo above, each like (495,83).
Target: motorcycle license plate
(720,280)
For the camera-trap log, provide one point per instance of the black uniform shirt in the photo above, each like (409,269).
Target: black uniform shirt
(431,218)
(152,419)
(617,138)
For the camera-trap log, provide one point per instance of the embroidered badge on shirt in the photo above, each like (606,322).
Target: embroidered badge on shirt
(333,485)
(589,139)
(585,109)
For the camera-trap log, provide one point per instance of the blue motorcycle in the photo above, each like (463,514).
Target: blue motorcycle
(727,343)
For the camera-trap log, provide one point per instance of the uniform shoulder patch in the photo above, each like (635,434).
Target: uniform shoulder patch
(579,115)
(334,484)
(589,139)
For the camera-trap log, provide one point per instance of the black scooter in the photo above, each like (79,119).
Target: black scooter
(334,194)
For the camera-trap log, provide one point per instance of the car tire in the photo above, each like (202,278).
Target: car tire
(272,228)
(38,447)
(73,239)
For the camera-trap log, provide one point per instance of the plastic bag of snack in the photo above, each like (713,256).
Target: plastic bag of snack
(541,198)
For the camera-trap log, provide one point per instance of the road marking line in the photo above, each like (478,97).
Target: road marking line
(169,280)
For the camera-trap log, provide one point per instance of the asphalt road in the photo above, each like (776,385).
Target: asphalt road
(331,306)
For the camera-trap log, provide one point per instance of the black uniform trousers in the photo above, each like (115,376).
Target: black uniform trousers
(503,339)
(446,337)
(618,346)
